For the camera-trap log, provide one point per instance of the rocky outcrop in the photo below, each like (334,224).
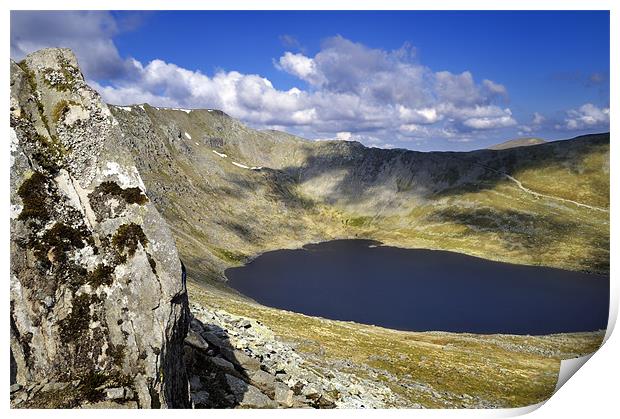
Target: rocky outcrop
(99,310)
(236,361)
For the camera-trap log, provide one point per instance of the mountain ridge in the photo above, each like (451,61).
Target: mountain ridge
(358,189)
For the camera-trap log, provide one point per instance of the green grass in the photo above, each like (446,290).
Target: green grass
(506,370)
(235,258)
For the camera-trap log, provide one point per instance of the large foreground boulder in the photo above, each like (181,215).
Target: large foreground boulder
(98,306)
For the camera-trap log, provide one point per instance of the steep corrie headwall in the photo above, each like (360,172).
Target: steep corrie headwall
(230,192)
(98,309)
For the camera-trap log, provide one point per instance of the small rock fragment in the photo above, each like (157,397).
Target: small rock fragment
(200,398)
(115,393)
(194,383)
(194,339)
(247,395)
(223,364)
(284,395)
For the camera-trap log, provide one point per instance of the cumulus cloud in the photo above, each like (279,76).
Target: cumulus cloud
(586,116)
(495,88)
(489,122)
(88,33)
(300,66)
(538,119)
(346,91)
(419,116)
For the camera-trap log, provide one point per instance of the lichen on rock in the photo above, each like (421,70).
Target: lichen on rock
(98,311)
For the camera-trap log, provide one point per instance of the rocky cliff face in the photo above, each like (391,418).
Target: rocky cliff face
(99,309)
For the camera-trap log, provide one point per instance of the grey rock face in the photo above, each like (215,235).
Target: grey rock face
(247,395)
(284,395)
(264,381)
(195,340)
(241,359)
(222,364)
(96,289)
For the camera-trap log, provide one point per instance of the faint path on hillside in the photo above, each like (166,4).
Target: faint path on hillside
(534,193)
(540,195)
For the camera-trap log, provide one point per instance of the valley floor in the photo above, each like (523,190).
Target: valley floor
(360,365)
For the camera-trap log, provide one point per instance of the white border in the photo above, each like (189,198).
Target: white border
(591,393)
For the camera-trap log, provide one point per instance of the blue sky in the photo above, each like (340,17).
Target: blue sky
(419,80)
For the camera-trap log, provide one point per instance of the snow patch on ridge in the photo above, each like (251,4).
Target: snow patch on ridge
(127,178)
(243,166)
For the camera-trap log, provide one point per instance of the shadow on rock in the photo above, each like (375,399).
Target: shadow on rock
(222,376)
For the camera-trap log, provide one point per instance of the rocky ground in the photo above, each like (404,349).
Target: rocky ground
(355,365)
(237,361)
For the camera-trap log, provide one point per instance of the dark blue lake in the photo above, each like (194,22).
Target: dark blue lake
(422,290)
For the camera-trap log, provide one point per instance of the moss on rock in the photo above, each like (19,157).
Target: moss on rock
(130,195)
(127,238)
(101,275)
(76,323)
(63,79)
(33,191)
(61,109)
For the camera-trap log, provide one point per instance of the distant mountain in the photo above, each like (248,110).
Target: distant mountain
(518,142)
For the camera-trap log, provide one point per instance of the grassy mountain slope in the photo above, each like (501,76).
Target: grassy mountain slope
(429,369)
(304,191)
(230,193)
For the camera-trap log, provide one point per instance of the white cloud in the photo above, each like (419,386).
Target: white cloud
(495,88)
(344,136)
(332,105)
(586,116)
(420,116)
(458,89)
(88,33)
(536,124)
(489,122)
(538,119)
(346,89)
(300,66)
